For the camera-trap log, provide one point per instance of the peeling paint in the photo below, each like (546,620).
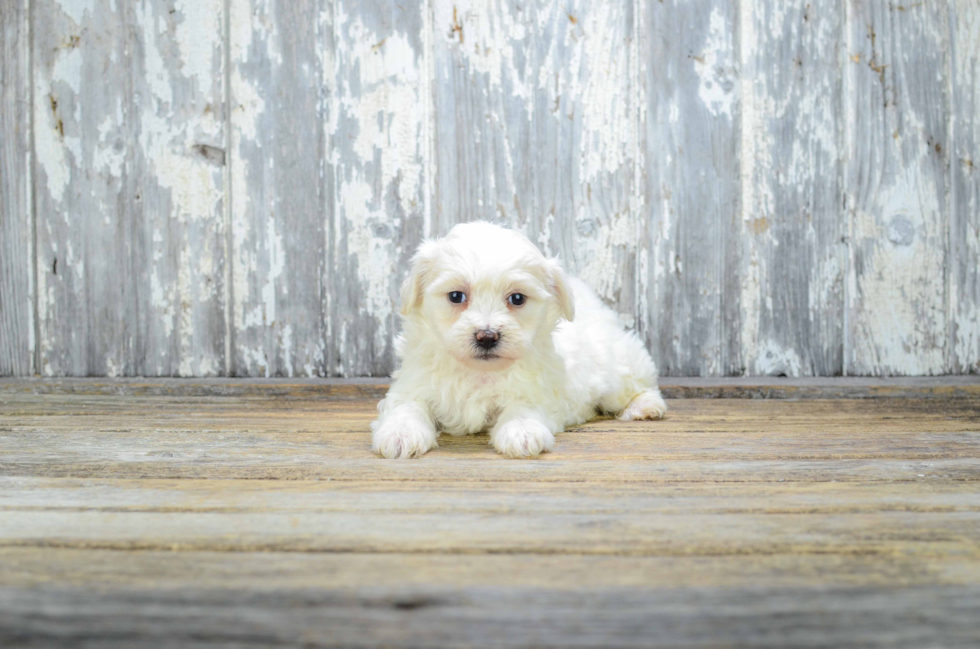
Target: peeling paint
(495,42)
(199,58)
(716,64)
(606,132)
(77,9)
(279,76)
(124,198)
(379,155)
(964,261)
(772,360)
(898,192)
(600,271)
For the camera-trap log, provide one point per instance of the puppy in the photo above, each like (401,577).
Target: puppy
(497,338)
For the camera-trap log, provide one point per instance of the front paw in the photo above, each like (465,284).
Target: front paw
(522,438)
(402,437)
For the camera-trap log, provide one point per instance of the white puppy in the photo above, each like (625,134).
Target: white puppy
(497,338)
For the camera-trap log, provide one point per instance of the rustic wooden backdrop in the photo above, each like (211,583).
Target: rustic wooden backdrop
(234,187)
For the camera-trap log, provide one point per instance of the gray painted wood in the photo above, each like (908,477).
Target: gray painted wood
(896,182)
(16,218)
(537,86)
(278,224)
(964,231)
(130,162)
(794,247)
(586,123)
(484,60)
(759,188)
(378,161)
(688,307)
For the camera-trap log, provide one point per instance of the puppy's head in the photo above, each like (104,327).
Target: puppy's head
(486,294)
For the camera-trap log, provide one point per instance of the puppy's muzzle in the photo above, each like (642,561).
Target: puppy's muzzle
(486,338)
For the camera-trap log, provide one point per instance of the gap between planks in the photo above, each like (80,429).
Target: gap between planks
(939,387)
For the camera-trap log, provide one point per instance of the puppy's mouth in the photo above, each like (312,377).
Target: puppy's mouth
(488,356)
(487,361)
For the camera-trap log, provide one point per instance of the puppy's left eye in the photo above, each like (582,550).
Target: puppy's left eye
(517,299)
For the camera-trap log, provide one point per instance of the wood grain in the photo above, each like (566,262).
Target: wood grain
(535,86)
(156,518)
(427,616)
(380,173)
(279,212)
(964,231)
(16,209)
(26,567)
(484,61)
(896,182)
(235,188)
(689,293)
(929,387)
(794,252)
(585,120)
(129,139)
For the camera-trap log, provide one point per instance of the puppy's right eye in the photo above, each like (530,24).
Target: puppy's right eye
(457,297)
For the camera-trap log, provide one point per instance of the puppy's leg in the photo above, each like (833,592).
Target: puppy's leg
(404,431)
(523,432)
(646,405)
(633,394)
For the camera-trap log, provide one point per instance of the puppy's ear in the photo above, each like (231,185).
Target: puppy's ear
(419,276)
(562,291)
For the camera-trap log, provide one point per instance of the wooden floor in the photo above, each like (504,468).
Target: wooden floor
(168,514)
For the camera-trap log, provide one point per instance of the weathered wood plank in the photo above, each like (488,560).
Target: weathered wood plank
(555,469)
(688,297)
(69,211)
(928,387)
(615,135)
(641,533)
(501,617)
(815,523)
(280,211)
(583,64)
(926,518)
(130,170)
(283,413)
(202,496)
(278,571)
(964,236)
(484,57)
(379,165)
(297,438)
(702,441)
(896,182)
(521,89)
(44,450)
(16,210)
(792,430)
(793,252)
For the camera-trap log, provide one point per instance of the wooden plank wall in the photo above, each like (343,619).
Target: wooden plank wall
(16,213)
(234,187)
(129,175)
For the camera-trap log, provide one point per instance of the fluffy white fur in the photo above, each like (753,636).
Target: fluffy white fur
(562,356)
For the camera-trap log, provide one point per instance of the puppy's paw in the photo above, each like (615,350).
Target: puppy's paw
(646,405)
(522,437)
(400,437)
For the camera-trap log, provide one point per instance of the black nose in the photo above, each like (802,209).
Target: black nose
(487,338)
